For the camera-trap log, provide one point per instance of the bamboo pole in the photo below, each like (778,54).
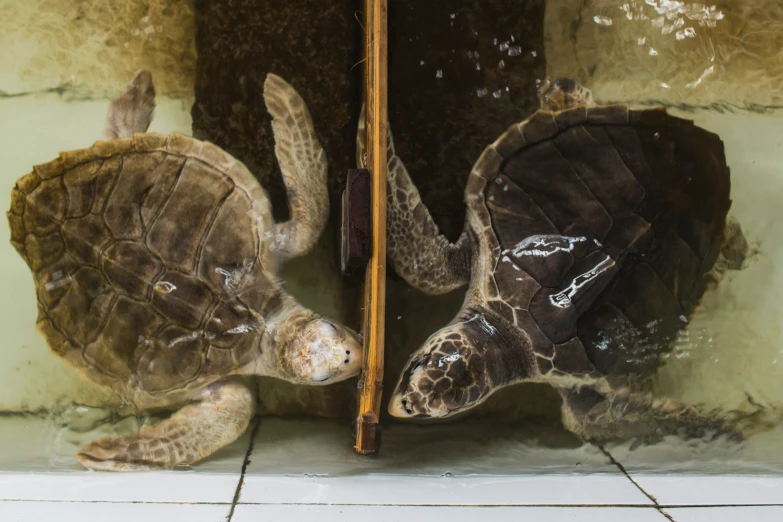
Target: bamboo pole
(376,96)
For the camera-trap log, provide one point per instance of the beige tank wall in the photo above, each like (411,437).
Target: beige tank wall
(731,354)
(33,129)
(61,61)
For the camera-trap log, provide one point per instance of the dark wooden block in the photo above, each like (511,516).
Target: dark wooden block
(356,232)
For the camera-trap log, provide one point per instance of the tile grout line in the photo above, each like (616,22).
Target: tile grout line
(245,464)
(638,486)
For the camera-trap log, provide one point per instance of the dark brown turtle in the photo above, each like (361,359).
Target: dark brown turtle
(591,235)
(155,260)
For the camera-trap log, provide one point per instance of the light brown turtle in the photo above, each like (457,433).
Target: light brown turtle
(591,235)
(155,260)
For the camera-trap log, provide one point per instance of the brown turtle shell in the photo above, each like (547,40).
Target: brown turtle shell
(603,224)
(150,257)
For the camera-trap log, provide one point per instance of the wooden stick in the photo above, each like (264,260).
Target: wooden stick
(371,382)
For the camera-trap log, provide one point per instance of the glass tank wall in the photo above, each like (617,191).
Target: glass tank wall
(460,73)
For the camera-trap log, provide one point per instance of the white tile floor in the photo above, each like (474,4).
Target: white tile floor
(301,470)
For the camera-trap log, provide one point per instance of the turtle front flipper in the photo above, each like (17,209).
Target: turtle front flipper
(418,251)
(192,433)
(131,112)
(303,165)
(599,415)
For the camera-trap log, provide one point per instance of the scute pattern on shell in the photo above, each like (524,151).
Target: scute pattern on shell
(601,226)
(150,257)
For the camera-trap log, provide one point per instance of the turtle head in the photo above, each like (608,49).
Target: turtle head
(322,352)
(447,375)
(564,93)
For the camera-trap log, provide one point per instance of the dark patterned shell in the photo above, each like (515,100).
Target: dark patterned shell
(148,257)
(606,223)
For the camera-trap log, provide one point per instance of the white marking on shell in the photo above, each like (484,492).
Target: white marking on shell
(544,245)
(187,337)
(54,285)
(563,298)
(243,328)
(449,358)
(226,274)
(232,279)
(513,265)
(57,281)
(164,287)
(483,324)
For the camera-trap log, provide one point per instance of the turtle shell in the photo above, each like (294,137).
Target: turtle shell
(603,224)
(150,257)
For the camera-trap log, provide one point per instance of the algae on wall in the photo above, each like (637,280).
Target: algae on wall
(94,44)
(678,53)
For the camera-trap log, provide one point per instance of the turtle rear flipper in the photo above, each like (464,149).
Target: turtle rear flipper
(603,415)
(131,112)
(734,252)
